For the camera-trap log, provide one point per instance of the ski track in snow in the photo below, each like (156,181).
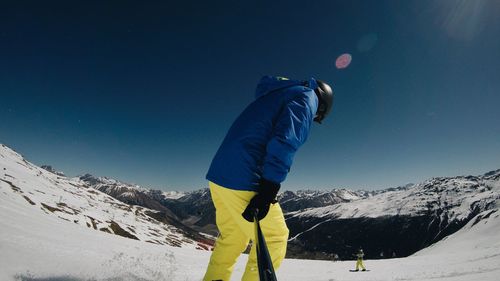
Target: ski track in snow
(316,225)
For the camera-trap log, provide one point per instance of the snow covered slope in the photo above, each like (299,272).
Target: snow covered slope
(27,186)
(53,242)
(39,247)
(481,235)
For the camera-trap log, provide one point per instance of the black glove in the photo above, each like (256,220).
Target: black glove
(261,202)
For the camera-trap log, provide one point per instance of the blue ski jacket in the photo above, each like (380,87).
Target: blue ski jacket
(262,141)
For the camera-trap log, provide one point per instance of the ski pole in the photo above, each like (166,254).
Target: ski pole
(264,262)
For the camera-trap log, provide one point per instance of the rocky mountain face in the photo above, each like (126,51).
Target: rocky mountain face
(52,170)
(192,212)
(196,210)
(128,193)
(396,222)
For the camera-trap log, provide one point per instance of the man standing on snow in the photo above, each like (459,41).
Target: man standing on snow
(252,161)
(359,261)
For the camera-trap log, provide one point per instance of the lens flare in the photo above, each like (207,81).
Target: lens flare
(343,61)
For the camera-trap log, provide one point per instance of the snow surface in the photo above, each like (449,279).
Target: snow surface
(38,245)
(34,246)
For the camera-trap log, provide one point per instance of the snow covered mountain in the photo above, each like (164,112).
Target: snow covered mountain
(396,222)
(52,170)
(129,193)
(291,201)
(25,185)
(187,210)
(195,208)
(303,199)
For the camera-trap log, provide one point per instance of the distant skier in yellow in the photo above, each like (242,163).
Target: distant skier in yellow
(359,262)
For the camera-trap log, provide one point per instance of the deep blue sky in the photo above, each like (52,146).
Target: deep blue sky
(146,92)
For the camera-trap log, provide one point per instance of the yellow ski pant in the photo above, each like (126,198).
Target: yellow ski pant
(359,263)
(235,233)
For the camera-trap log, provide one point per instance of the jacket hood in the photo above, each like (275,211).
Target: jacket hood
(269,84)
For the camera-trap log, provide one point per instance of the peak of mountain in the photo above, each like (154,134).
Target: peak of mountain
(52,170)
(303,199)
(493,175)
(111,183)
(172,194)
(122,189)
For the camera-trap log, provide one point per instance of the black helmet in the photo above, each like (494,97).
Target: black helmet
(325,98)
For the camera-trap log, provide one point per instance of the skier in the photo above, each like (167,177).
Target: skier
(252,161)
(359,262)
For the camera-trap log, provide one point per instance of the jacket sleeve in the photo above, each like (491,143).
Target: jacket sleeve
(290,132)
